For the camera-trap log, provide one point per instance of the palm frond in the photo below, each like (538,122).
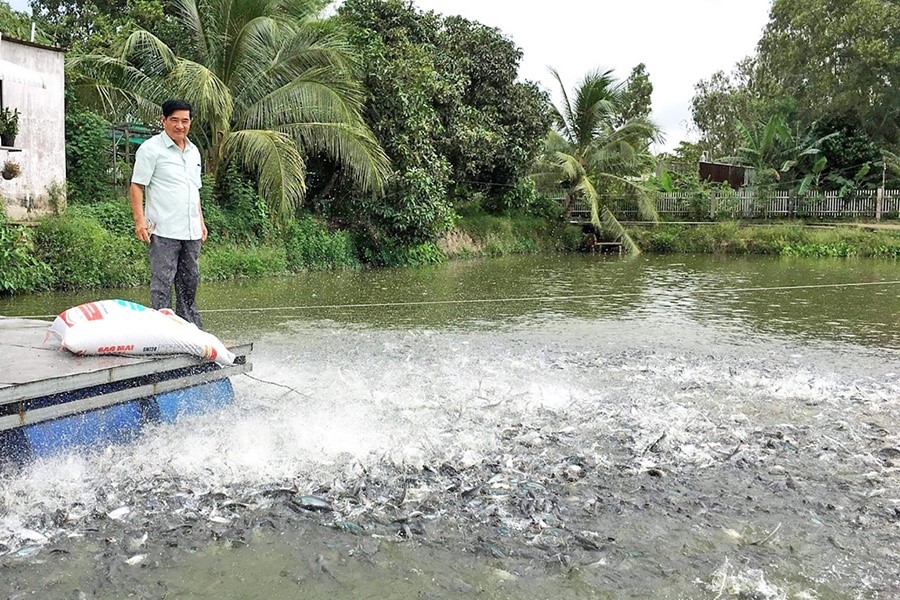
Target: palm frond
(565,117)
(275,160)
(148,53)
(352,146)
(187,13)
(207,94)
(611,224)
(313,97)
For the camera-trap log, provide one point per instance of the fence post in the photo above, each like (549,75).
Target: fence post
(879,203)
(713,204)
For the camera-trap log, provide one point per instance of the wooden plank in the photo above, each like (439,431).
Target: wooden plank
(97,370)
(38,415)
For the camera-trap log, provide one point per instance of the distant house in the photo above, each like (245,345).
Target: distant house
(734,175)
(32,81)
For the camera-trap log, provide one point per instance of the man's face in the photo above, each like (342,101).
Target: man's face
(177,125)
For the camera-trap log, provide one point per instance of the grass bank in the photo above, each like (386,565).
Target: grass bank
(786,239)
(93,246)
(482,234)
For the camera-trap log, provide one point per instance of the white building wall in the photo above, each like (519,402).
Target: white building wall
(42,131)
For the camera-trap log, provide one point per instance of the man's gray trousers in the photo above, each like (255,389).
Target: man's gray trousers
(175,262)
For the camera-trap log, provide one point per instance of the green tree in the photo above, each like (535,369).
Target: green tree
(445,104)
(406,90)
(840,60)
(88,26)
(495,129)
(18,25)
(636,96)
(718,104)
(591,158)
(271,86)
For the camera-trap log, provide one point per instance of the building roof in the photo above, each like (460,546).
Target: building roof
(7,38)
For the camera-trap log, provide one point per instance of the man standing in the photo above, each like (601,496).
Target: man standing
(167,174)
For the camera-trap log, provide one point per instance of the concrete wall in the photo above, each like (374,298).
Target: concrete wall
(42,131)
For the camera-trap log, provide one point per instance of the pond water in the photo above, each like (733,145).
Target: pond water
(521,427)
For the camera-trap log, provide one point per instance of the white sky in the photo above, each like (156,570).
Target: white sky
(680,41)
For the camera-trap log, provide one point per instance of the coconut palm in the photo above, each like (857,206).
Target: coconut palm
(270,84)
(590,157)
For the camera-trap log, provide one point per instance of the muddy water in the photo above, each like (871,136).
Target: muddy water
(531,427)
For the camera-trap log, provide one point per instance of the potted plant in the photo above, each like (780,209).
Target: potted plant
(9,126)
(10,170)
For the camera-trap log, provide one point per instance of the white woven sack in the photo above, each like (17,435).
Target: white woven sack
(122,327)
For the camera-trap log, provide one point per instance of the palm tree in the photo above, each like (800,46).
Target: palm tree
(590,157)
(271,87)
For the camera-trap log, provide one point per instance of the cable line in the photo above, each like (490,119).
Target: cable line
(507,299)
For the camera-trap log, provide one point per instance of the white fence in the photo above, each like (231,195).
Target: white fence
(857,204)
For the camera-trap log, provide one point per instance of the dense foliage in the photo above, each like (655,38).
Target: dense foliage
(827,70)
(20,269)
(87,157)
(445,105)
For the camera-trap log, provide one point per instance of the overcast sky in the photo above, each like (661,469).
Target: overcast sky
(680,41)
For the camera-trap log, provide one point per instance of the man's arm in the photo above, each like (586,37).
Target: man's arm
(204,233)
(137,209)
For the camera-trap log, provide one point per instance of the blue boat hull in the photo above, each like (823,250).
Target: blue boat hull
(114,424)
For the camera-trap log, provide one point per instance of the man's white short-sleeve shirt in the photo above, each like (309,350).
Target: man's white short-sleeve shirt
(171,180)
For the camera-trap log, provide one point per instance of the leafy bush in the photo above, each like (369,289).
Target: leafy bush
(20,269)
(87,165)
(229,261)
(238,212)
(661,241)
(309,245)
(113,215)
(82,254)
(396,254)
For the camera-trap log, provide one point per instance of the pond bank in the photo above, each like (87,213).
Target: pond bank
(779,239)
(90,249)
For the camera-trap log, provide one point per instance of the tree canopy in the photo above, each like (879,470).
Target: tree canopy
(829,68)
(270,84)
(445,105)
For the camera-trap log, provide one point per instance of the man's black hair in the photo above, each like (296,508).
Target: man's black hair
(170,106)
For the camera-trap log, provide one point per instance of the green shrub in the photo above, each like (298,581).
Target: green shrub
(238,213)
(83,255)
(20,269)
(113,215)
(395,254)
(661,241)
(310,246)
(87,164)
(229,261)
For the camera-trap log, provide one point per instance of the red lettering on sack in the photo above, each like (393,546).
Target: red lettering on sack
(91,311)
(108,349)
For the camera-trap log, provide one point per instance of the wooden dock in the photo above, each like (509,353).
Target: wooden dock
(39,383)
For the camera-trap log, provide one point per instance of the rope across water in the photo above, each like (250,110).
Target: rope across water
(505,300)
